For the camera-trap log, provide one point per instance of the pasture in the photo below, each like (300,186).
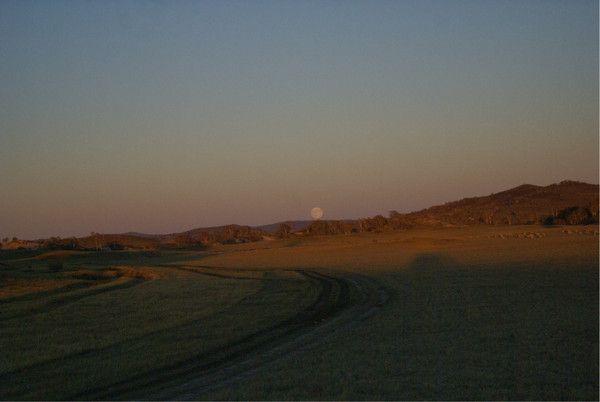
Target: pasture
(508,312)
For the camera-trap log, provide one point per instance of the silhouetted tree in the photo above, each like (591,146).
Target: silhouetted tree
(284,230)
(318,228)
(115,245)
(374,224)
(96,238)
(75,242)
(184,240)
(572,216)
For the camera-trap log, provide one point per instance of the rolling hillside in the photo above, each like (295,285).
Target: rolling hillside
(522,205)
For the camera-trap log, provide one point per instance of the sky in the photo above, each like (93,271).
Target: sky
(163,116)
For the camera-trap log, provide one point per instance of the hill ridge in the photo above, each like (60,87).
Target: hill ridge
(566,202)
(524,204)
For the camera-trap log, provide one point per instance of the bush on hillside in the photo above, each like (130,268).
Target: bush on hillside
(572,216)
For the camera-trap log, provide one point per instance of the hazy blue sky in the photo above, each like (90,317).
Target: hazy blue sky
(164,116)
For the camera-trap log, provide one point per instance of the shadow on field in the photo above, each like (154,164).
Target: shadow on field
(429,263)
(497,331)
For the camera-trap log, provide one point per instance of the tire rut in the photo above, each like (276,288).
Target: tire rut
(342,302)
(364,298)
(67,298)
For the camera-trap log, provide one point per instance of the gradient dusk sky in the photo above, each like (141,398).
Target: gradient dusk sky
(162,116)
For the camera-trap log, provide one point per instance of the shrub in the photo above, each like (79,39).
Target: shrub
(572,216)
(284,230)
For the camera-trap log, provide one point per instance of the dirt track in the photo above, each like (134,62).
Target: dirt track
(343,301)
(89,289)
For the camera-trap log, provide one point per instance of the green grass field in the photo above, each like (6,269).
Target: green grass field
(61,343)
(473,313)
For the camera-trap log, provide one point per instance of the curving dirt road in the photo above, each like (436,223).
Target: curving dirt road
(344,300)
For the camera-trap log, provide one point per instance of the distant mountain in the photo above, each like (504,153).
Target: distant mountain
(295,225)
(525,204)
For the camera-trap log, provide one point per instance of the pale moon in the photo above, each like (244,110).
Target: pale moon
(316,213)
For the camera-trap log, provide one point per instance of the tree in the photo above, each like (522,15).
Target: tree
(374,224)
(94,235)
(184,240)
(380,222)
(573,216)
(395,214)
(115,245)
(318,228)
(73,243)
(284,230)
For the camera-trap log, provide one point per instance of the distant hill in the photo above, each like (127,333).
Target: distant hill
(525,204)
(144,235)
(295,226)
(568,202)
(113,241)
(267,229)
